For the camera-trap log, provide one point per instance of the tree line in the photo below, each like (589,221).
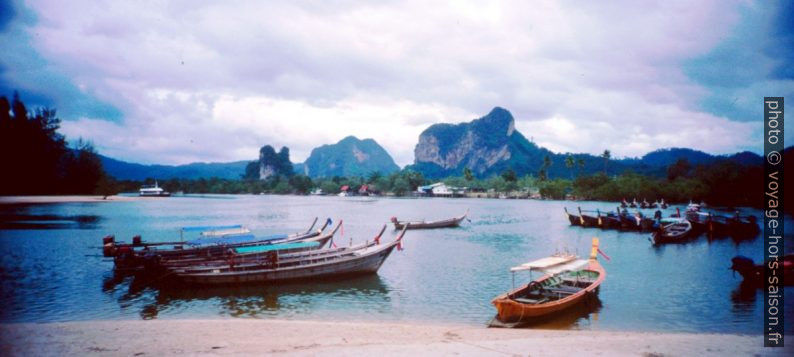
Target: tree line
(37,160)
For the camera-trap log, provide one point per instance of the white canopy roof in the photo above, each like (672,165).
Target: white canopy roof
(547,262)
(575,265)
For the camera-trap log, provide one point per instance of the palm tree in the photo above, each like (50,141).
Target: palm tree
(606,155)
(580,163)
(467,174)
(569,163)
(374,176)
(543,173)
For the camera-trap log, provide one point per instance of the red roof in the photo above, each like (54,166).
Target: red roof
(363,188)
(345,188)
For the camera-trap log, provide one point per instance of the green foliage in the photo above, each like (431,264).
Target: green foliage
(606,156)
(35,158)
(555,189)
(301,184)
(680,168)
(349,157)
(509,175)
(467,174)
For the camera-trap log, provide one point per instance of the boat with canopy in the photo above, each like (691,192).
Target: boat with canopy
(564,281)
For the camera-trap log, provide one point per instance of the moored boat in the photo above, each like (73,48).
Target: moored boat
(755,274)
(362,259)
(609,220)
(152,191)
(572,218)
(213,241)
(565,282)
(248,252)
(586,220)
(445,223)
(672,230)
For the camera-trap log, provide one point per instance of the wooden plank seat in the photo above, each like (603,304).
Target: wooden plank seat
(532,301)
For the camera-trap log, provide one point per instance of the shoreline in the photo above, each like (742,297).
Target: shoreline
(71,199)
(295,337)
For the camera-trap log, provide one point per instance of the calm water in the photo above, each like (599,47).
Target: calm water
(51,268)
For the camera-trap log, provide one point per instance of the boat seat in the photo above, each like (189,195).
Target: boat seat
(565,290)
(531,301)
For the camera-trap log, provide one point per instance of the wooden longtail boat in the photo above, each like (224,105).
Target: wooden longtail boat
(587,221)
(754,274)
(133,257)
(362,259)
(250,252)
(628,222)
(609,220)
(566,282)
(446,223)
(574,219)
(672,230)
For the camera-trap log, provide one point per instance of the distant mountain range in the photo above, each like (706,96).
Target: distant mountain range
(487,146)
(130,171)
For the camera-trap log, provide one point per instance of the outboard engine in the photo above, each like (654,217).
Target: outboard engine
(136,241)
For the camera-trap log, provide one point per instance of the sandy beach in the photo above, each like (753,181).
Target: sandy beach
(307,338)
(68,199)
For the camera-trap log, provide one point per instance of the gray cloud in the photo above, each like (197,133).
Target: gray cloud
(204,81)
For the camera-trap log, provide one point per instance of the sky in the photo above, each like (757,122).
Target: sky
(174,82)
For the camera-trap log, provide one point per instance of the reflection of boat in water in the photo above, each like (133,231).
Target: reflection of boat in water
(153,191)
(254,300)
(567,281)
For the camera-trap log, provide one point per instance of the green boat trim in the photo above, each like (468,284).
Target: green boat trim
(275,247)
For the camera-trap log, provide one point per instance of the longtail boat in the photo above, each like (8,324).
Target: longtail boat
(572,218)
(672,230)
(609,220)
(565,282)
(627,221)
(248,252)
(754,274)
(362,259)
(133,257)
(587,221)
(445,223)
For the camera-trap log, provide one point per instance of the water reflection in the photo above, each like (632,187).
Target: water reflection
(285,298)
(12,218)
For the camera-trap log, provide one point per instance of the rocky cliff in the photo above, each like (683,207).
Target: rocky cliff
(486,146)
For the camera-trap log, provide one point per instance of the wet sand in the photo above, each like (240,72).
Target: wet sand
(68,199)
(271,337)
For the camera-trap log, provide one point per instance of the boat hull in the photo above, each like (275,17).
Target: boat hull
(511,311)
(368,263)
(429,225)
(447,223)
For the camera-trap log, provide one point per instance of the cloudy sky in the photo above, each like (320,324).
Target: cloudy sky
(175,82)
